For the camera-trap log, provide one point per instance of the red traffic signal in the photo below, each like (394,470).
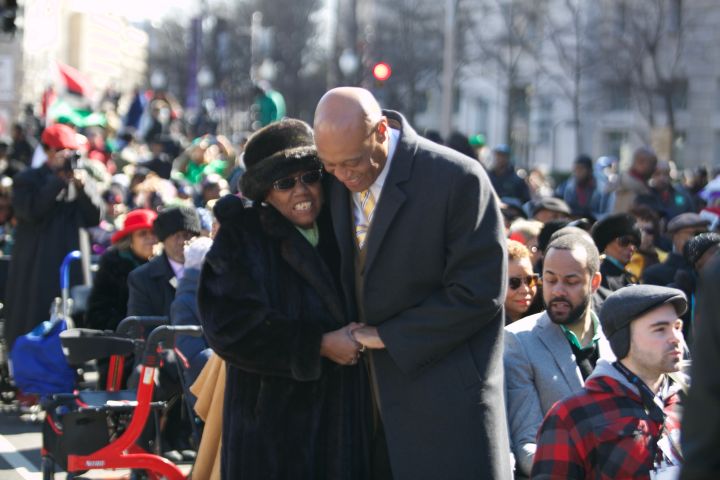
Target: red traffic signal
(382,71)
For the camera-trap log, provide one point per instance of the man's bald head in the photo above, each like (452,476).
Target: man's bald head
(352,136)
(346,108)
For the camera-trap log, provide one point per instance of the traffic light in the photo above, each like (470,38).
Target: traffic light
(8,11)
(381,71)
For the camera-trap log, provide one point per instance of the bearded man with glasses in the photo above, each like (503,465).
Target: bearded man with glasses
(549,355)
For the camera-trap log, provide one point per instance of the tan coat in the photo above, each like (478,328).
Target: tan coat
(209,388)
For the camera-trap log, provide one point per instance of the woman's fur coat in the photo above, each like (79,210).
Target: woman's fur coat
(266,297)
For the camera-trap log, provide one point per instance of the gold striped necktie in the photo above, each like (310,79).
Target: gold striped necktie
(367,203)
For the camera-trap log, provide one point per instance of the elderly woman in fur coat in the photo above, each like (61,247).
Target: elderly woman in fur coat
(271,307)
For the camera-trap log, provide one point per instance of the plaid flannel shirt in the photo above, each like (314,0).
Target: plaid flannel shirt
(601,433)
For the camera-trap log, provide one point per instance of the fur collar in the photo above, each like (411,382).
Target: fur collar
(302,257)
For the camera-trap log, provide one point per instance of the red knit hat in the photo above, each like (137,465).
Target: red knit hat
(135,220)
(60,137)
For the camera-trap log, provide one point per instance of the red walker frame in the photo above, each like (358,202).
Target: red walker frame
(123,452)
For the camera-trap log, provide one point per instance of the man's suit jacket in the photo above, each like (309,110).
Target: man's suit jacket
(434,285)
(540,369)
(152,288)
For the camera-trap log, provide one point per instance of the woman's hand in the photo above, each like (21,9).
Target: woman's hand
(340,346)
(368,337)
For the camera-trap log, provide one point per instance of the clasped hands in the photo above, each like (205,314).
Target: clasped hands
(344,346)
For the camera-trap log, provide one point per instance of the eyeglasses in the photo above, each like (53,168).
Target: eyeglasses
(516,282)
(626,241)
(307,178)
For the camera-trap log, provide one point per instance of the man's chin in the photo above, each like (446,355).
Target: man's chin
(559,319)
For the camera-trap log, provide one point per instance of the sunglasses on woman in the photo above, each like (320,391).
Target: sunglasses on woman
(626,241)
(515,282)
(306,178)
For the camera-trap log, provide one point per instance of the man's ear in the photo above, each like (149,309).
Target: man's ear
(595,282)
(382,129)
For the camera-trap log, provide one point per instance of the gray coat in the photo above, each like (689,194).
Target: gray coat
(434,286)
(540,369)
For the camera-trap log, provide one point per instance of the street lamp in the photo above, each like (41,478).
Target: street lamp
(348,63)
(158,80)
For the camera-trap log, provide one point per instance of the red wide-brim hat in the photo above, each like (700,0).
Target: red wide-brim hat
(134,221)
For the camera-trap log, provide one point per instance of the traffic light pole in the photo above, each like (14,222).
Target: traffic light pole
(448,69)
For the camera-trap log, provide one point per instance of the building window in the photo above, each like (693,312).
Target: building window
(519,101)
(678,148)
(614,141)
(675,16)
(680,95)
(481,116)
(545,116)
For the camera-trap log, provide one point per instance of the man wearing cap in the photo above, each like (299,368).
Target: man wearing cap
(51,204)
(580,191)
(617,237)
(152,286)
(625,422)
(503,177)
(681,229)
(549,355)
(547,209)
(152,291)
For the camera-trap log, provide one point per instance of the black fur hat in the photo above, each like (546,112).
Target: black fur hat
(176,219)
(274,152)
(614,226)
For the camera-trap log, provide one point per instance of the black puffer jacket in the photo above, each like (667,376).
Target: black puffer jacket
(266,297)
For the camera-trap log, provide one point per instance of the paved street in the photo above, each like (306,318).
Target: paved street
(20,442)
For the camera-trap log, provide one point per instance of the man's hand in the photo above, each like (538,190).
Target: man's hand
(340,347)
(368,337)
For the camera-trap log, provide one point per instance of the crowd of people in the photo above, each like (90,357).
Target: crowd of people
(381,305)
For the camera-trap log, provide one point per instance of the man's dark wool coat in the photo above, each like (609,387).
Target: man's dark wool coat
(434,284)
(47,230)
(266,297)
(151,289)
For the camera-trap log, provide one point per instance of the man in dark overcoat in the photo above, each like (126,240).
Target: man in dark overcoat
(152,286)
(423,265)
(51,203)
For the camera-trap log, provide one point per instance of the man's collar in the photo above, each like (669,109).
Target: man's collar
(393,139)
(572,338)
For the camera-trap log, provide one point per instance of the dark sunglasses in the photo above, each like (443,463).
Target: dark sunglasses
(626,241)
(307,178)
(516,282)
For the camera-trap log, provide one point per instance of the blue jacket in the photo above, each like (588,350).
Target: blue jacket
(184,311)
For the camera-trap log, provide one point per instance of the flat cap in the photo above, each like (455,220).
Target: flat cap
(628,303)
(553,204)
(687,220)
